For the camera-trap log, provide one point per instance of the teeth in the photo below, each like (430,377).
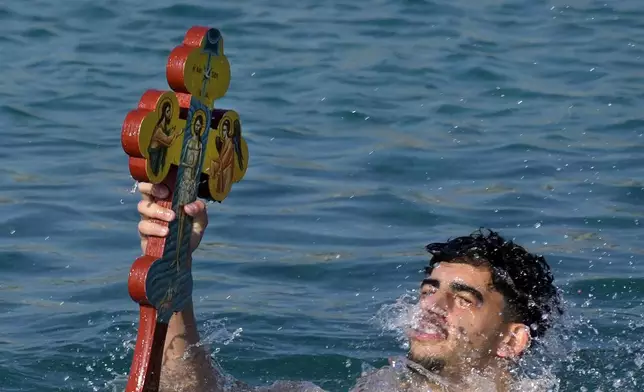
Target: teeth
(431,329)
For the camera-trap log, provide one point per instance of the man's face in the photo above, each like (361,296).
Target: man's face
(459,321)
(198,126)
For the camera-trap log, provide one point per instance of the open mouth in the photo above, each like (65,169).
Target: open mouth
(429,328)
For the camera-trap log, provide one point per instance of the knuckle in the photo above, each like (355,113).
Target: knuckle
(143,190)
(156,189)
(141,206)
(147,210)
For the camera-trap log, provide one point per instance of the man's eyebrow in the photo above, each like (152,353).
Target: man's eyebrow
(455,286)
(431,282)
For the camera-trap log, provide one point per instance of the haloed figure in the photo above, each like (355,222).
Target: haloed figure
(190,163)
(228,145)
(162,137)
(187,182)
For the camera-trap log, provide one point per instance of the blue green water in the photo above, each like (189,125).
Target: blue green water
(374,127)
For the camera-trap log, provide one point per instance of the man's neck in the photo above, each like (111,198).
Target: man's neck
(495,377)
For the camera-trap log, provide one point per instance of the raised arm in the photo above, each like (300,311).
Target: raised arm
(186,365)
(163,139)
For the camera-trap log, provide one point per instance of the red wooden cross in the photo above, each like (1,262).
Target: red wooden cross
(178,138)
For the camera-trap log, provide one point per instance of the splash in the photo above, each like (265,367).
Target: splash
(595,358)
(215,335)
(134,187)
(397,317)
(215,332)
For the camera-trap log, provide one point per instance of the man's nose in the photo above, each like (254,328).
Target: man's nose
(437,302)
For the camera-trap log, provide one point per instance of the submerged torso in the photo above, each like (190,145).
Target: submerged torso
(401,375)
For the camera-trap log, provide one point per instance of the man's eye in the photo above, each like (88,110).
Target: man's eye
(464,302)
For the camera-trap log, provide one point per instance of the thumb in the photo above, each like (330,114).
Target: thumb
(197,210)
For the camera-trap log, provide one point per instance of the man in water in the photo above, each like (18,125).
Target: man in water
(484,302)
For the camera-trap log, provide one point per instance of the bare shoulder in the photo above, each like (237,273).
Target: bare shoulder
(291,386)
(400,374)
(383,379)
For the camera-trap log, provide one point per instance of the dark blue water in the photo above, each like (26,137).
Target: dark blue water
(374,127)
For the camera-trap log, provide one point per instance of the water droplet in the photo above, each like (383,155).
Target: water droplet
(639,361)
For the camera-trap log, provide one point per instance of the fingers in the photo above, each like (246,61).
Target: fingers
(148,228)
(158,191)
(197,210)
(151,210)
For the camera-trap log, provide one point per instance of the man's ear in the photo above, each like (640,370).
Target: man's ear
(515,341)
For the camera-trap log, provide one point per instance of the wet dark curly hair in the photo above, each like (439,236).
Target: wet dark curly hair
(523,278)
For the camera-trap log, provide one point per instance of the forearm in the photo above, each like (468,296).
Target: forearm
(186,365)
